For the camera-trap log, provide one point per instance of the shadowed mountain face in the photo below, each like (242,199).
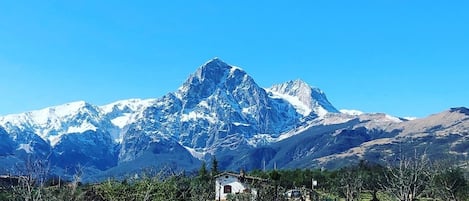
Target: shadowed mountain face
(220,110)
(6,143)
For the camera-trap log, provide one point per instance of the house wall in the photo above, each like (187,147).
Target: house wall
(220,182)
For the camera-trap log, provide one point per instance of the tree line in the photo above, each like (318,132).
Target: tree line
(405,179)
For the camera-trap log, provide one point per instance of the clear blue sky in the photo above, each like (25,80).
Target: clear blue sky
(405,58)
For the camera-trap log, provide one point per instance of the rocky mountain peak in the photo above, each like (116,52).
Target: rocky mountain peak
(215,71)
(305,98)
(215,77)
(294,88)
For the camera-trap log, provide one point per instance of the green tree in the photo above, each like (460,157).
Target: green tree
(201,187)
(275,177)
(214,170)
(451,184)
(372,175)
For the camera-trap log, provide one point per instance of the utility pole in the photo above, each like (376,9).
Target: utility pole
(219,191)
(263,165)
(313,183)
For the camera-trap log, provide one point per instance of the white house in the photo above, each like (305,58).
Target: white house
(231,183)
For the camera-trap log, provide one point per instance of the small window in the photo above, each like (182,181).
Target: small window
(227,189)
(226,177)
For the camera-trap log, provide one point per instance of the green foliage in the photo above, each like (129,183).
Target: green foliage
(450,184)
(239,197)
(214,170)
(203,173)
(363,181)
(4,195)
(202,187)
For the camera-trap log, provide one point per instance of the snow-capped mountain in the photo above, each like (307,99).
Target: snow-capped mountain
(77,117)
(72,134)
(218,107)
(303,97)
(50,123)
(219,110)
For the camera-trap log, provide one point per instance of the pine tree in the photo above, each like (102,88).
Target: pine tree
(214,169)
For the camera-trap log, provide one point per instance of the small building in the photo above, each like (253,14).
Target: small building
(228,183)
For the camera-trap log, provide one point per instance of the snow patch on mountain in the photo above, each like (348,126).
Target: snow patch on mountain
(351,112)
(261,139)
(248,110)
(303,97)
(195,116)
(393,118)
(234,69)
(300,107)
(240,124)
(123,120)
(25,147)
(196,154)
(53,139)
(128,105)
(85,126)
(410,118)
(125,112)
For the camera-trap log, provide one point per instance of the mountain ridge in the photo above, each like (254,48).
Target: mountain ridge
(218,111)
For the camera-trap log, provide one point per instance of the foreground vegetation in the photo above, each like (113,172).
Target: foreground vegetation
(407,179)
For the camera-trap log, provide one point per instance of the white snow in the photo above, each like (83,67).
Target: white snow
(133,104)
(351,112)
(197,154)
(85,126)
(26,147)
(193,115)
(300,107)
(240,124)
(247,110)
(393,118)
(122,121)
(260,139)
(235,68)
(321,112)
(54,139)
(203,104)
(410,118)
(67,109)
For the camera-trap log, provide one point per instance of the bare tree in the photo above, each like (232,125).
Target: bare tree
(350,183)
(31,181)
(407,179)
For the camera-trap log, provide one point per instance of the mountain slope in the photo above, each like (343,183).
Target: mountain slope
(440,136)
